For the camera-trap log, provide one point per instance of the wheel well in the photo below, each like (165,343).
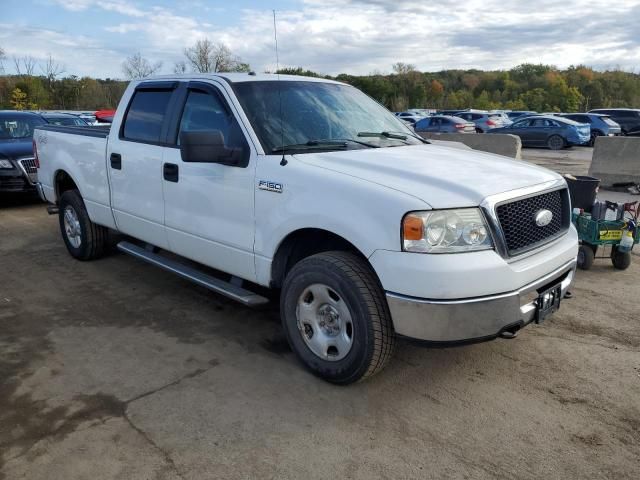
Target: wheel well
(302,244)
(63,182)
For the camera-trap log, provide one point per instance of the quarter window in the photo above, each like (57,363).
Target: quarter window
(145,116)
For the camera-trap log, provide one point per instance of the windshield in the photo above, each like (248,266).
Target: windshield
(317,111)
(18,127)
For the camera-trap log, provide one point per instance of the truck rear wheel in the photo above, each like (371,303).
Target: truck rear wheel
(336,318)
(84,239)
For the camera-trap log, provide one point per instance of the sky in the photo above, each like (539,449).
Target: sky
(93,37)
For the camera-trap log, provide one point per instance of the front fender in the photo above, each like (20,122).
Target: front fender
(365,214)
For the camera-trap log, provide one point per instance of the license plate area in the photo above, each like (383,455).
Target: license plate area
(548,302)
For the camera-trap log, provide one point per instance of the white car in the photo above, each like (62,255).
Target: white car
(309,187)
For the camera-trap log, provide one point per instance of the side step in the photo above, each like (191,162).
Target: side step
(227,289)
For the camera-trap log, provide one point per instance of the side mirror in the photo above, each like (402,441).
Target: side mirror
(207,146)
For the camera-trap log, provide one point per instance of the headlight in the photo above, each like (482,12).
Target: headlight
(445,231)
(5,164)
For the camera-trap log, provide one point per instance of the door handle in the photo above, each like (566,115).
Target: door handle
(170,172)
(116,161)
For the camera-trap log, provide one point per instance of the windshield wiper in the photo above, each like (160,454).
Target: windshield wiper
(366,144)
(340,143)
(396,136)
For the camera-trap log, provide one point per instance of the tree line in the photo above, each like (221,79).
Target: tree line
(43,85)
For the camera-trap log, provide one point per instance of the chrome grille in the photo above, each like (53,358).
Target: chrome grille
(518,224)
(30,169)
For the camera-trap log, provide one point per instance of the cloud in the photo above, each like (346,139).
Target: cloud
(360,36)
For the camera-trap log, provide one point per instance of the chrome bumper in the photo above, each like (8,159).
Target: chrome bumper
(472,318)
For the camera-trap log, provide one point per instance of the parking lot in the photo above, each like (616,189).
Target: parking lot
(116,369)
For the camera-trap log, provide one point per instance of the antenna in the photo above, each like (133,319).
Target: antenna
(283,162)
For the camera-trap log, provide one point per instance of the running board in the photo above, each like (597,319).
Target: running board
(227,289)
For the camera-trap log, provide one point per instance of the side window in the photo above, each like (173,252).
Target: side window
(207,111)
(521,124)
(145,116)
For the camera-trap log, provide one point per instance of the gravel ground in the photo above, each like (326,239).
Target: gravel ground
(116,370)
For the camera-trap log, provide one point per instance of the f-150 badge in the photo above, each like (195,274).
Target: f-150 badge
(270,186)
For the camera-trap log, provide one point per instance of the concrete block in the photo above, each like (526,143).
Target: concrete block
(616,160)
(501,144)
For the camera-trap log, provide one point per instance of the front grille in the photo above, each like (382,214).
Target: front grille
(29,165)
(30,169)
(517,219)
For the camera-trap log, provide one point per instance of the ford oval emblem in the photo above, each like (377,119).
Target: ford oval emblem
(543,218)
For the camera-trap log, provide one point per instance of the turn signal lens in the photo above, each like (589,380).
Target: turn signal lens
(412,227)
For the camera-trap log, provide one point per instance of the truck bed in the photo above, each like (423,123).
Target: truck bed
(80,152)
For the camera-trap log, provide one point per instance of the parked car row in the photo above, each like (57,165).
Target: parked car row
(554,130)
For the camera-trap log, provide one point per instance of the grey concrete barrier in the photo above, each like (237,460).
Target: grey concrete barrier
(616,160)
(502,144)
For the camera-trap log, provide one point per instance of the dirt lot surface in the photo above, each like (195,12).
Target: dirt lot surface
(116,370)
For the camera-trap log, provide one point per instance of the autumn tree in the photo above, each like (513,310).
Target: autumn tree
(206,56)
(18,99)
(136,66)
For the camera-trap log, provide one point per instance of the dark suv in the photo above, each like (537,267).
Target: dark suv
(17,163)
(628,118)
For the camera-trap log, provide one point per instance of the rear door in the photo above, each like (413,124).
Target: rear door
(209,207)
(539,131)
(521,128)
(134,162)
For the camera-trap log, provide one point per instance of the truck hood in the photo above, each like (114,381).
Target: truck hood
(16,148)
(443,177)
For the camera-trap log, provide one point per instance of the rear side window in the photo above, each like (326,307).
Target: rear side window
(609,122)
(145,116)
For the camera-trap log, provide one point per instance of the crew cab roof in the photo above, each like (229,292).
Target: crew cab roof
(238,77)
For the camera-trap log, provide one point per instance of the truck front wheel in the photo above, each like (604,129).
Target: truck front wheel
(336,318)
(84,239)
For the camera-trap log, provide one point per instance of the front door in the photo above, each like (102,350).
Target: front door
(209,207)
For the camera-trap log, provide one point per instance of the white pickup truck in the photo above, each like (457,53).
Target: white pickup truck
(310,187)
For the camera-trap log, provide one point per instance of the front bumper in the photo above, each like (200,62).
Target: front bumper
(473,319)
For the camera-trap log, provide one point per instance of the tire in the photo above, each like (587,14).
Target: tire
(555,142)
(84,239)
(336,299)
(479,130)
(620,260)
(594,135)
(585,257)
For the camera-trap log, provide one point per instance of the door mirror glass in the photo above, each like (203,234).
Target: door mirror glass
(207,146)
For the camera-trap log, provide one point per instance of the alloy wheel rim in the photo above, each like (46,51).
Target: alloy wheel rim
(72,227)
(325,322)
(556,142)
